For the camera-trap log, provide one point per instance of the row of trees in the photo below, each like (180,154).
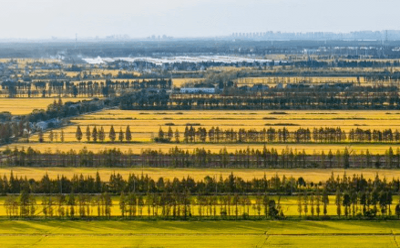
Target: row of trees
(348,203)
(166,205)
(353,197)
(280,135)
(202,158)
(362,97)
(85,88)
(61,205)
(219,135)
(209,185)
(94,135)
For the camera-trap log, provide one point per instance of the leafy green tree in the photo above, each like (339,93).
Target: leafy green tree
(88,134)
(346,203)
(383,202)
(346,158)
(170,134)
(266,206)
(108,204)
(318,202)
(78,133)
(160,134)
(363,201)
(51,136)
(338,202)
(299,204)
(112,134)
(128,134)
(305,203)
(397,209)
(121,135)
(122,204)
(71,204)
(102,134)
(177,135)
(272,209)
(94,134)
(24,203)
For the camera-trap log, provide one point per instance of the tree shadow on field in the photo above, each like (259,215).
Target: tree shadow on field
(22,226)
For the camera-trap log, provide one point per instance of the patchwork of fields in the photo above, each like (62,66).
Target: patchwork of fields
(152,225)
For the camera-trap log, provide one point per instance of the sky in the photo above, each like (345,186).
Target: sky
(43,19)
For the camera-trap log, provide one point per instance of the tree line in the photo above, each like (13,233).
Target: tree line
(202,158)
(311,97)
(280,135)
(230,197)
(87,88)
(99,135)
(219,135)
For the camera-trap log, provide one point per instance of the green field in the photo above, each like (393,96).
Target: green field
(199,234)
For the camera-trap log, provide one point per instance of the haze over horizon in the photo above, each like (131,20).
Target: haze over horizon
(43,19)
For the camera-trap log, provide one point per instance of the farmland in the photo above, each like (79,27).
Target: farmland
(296,150)
(23,106)
(145,126)
(199,234)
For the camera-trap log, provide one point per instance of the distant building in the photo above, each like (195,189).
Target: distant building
(43,125)
(197,90)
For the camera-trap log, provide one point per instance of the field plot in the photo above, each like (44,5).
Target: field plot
(199,234)
(23,106)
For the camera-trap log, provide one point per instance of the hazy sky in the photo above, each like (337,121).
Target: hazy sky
(190,18)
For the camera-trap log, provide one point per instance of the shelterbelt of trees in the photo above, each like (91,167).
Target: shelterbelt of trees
(202,158)
(219,135)
(231,197)
(271,135)
(86,88)
(361,98)
(320,97)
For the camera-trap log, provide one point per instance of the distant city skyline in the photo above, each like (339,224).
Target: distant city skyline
(44,19)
